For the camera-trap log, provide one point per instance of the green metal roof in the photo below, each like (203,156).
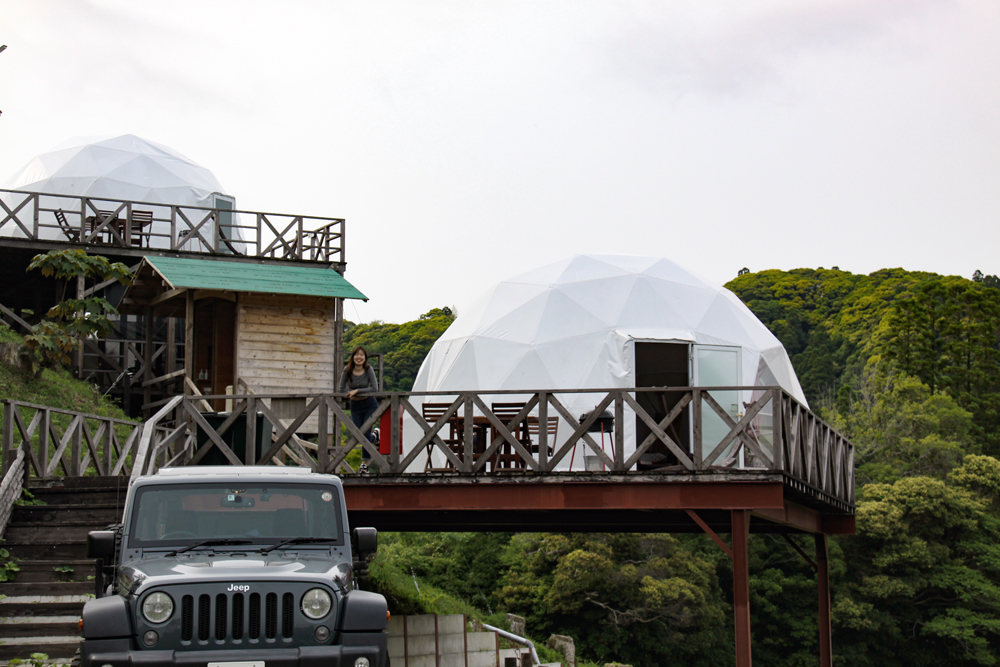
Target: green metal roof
(244,277)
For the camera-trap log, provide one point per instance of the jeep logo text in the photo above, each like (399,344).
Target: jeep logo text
(237,588)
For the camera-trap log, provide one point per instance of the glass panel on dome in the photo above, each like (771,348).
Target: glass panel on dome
(718,366)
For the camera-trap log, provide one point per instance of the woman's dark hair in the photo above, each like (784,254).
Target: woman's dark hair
(350,364)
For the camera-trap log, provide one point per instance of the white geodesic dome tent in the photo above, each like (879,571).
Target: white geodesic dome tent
(578,323)
(117,168)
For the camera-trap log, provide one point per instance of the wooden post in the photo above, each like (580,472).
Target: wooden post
(8,435)
(696,448)
(741,586)
(80,285)
(823,584)
(338,341)
(322,437)
(189,341)
(395,441)
(171,345)
(469,435)
(250,455)
(543,431)
(620,431)
(74,461)
(126,379)
(147,363)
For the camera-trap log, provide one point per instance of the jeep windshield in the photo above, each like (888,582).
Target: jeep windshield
(174,515)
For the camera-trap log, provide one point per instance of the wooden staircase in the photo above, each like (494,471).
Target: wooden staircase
(41,611)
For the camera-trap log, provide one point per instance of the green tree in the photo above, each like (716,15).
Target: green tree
(899,427)
(947,334)
(925,572)
(641,598)
(403,346)
(54,339)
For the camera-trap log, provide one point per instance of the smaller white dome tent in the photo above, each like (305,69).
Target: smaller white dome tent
(120,168)
(580,323)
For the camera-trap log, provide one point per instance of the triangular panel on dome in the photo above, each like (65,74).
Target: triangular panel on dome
(518,324)
(584,267)
(495,358)
(566,360)
(646,308)
(529,371)
(604,298)
(563,317)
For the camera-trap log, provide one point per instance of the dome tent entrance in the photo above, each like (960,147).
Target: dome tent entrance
(610,321)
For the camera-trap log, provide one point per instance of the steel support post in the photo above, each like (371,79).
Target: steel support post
(741,586)
(823,584)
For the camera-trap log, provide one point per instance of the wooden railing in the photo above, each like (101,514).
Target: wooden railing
(775,433)
(63,443)
(89,221)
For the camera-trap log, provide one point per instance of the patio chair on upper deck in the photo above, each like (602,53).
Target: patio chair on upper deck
(507,457)
(432,412)
(71,233)
(142,222)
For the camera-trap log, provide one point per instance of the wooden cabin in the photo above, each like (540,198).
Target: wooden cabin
(277,328)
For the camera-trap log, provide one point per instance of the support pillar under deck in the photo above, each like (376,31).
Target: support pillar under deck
(823,584)
(741,586)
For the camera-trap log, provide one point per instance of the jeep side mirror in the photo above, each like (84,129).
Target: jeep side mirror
(365,542)
(101,544)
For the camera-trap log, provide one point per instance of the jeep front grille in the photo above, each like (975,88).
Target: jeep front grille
(229,614)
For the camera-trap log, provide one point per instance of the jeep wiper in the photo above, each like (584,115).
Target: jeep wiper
(209,543)
(297,540)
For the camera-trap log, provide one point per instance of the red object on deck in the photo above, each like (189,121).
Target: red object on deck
(385,431)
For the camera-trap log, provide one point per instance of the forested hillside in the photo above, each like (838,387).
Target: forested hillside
(907,364)
(403,346)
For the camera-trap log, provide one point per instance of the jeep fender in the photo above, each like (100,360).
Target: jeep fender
(364,612)
(106,618)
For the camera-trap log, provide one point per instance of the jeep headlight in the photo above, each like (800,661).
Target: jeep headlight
(157,607)
(316,603)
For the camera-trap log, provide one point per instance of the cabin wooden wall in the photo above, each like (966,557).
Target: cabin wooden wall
(286,344)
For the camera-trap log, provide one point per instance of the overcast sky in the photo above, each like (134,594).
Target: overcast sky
(466,142)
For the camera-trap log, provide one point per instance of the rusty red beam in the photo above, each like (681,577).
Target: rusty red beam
(574,506)
(598,495)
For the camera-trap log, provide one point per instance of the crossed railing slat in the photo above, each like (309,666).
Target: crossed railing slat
(795,441)
(91,221)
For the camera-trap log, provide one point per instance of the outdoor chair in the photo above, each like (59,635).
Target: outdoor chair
(507,457)
(142,222)
(432,412)
(71,232)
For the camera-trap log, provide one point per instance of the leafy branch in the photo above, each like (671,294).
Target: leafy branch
(53,340)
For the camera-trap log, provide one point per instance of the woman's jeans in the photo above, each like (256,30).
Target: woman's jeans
(360,412)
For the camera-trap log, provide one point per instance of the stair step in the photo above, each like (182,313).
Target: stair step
(97,513)
(44,570)
(48,534)
(60,498)
(74,550)
(41,608)
(46,588)
(39,626)
(62,648)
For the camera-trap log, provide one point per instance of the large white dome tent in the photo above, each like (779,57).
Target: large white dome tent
(607,321)
(123,167)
